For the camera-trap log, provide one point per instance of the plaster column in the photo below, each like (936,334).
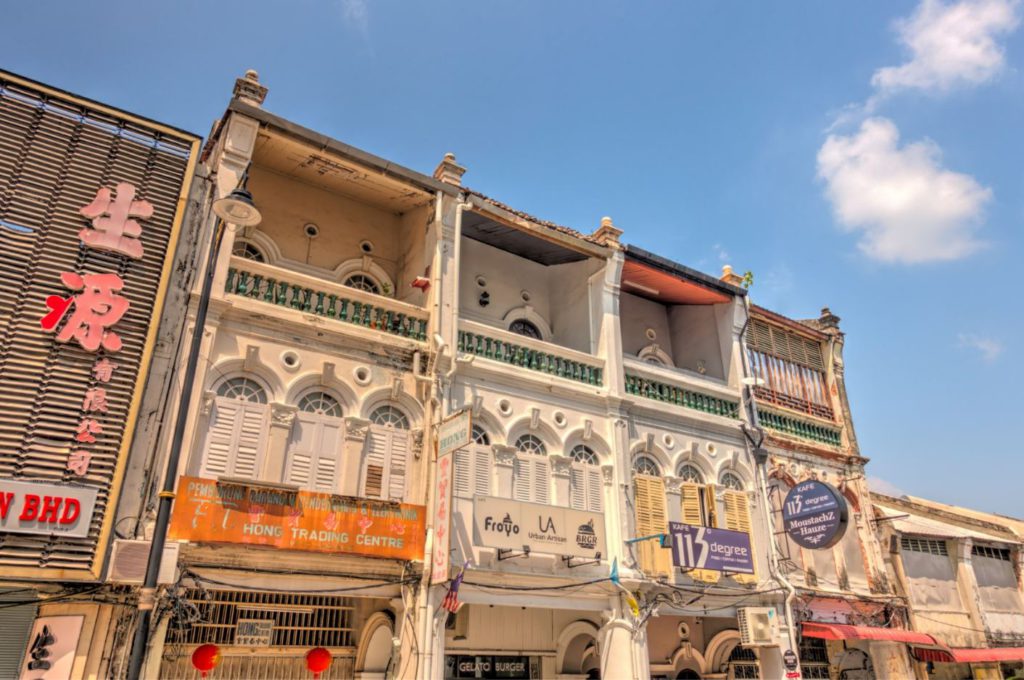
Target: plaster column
(561,472)
(504,464)
(282,416)
(674,499)
(352,456)
(967,584)
(623,654)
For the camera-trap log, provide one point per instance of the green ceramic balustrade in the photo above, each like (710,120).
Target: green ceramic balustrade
(284,294)
(526,357)
(800,428)
(680,396)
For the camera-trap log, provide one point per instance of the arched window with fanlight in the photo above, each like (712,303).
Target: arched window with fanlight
(527,328)
(314,453)
(531,475)
(586,491)
(387,454)
(247,250)
(734,514)
(363,282)
(236,438)
(473,466)
(651,515)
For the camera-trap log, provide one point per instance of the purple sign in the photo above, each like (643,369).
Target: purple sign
(815,515)
(696,547)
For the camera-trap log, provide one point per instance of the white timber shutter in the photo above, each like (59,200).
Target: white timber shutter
(375,463)
(314,452)
(522,471)
(585,489)
(472,471)
(398,462)
(463,479)
(234,443)
(541,479)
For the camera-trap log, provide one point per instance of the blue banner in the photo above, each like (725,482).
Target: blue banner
(696,547)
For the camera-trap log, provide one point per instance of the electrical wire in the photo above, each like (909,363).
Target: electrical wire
(324,591)
(566,586)
(55,598)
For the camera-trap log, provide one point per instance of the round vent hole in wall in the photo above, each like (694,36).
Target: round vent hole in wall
(362,375)
(366,247)
(481,281)
(290,360)
(311,230)
(560,419)
(505,407)
(668,441)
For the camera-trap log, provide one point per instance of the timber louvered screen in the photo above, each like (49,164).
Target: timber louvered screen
(792,368)
(56,152)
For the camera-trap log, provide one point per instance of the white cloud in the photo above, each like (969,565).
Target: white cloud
(951,45)
(908,207)
(879,485)
(988,348)
(721,253)
(357,14)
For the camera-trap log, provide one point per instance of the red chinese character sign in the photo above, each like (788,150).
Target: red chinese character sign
(86,271)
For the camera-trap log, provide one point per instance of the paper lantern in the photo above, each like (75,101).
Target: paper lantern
(206,658)
(318,660)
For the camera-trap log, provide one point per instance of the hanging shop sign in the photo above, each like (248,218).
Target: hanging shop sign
(466,666)
(815,515)
(695,547)
(254,632)
(51,648)
(514,525)
(441,556)
(94,199)
(45,509)
(455,432)
(208,511)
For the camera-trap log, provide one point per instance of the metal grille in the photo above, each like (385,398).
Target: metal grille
(54,156)
(743,663)
(259,667)
(814,659)
(925,545)
(989,551)
(299,620)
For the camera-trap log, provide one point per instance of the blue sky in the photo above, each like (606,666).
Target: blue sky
(865,156)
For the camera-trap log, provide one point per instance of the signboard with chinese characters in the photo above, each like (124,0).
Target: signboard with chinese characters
(454,433)
(254,632)
(442,519)
(514,525)
(93,204)
(695,547)
(51,648)
(208,511)
(815,515)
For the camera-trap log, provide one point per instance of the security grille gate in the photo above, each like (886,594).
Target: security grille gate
(299,623)
(56,152)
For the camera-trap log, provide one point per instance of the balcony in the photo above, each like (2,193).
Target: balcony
(674,387)
(520,351)
(791,385)
(310,295)
(809,428)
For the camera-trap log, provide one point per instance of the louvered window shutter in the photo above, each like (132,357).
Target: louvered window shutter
(314,452)
(695,502)
(522,471)
(463,479)
(398,462)
(737,518)
(302,448)
(375,462)
(541,480)
(585,492)
(481,456)
(595,489)
(651,518)
(235,441)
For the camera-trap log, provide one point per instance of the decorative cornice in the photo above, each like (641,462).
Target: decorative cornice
(504,455)
(282,415)
(561,465)
(356,429)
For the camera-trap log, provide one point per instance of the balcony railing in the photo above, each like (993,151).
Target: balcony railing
(661,384)
(331,300)
(535,355)
(790,384)
(798,427)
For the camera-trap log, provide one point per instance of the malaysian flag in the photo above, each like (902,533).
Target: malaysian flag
(451,600)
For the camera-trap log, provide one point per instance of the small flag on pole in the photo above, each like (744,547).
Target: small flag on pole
(451,600)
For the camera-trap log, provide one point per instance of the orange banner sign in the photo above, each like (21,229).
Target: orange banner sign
(207,511)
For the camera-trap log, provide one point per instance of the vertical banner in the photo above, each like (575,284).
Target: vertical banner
(441,556)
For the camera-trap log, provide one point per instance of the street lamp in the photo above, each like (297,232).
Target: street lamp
(236,208)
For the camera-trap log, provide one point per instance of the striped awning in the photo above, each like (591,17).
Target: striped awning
(970,655)
(836,631)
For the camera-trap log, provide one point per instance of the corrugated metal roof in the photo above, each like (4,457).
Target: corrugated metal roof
(907,522)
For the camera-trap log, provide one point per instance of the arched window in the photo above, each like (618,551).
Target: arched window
(645,465)
(387,454)
(314,453)
(473,466)
(246,250)
(363,282)
(586,491)
(235,441)
(743,663)
(531,476)
(688,472)
(525,327)
(731,480)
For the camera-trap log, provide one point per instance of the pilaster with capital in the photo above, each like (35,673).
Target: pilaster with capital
(561,473)
(356,430)
(282,417)
(504,467)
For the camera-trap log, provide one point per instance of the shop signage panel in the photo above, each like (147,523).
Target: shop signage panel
(455,432)
(442,519)
(44,509)
(51,648)
(94,199)
(815,515)
(511,525)
(695,547)
(207,511)
(466,666)
(254,632)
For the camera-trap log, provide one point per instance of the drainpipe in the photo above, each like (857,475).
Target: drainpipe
(762,475)
(425,620)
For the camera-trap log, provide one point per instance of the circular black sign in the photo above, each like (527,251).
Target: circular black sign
(789,659)
(815,515)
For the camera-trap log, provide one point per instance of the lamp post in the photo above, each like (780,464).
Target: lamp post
(236,208)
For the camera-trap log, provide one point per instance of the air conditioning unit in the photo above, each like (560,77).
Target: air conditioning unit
(759,626)
(128,562)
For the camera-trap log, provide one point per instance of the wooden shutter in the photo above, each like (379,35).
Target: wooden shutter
(595,489)
(481,456)
(522,482)
(375,462)
(695,505)
(651,518)
(398,462)
(541,480)
(234,444)
(462,480)
(314,452)
(737,518)
(585,492)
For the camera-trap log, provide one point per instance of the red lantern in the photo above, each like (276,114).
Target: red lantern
(318,660)
(206,658)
